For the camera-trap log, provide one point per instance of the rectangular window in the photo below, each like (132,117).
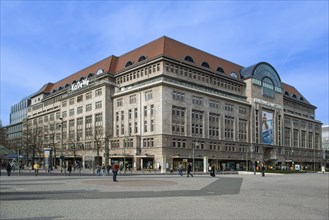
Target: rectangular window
(130,114)
(88,107)
(136,112)
(88,95)
(132,99)
(152,125)
(98,92)
(145,111)
(148,95)
(145,126)
(119,102)
(178,96)
(71,102)
(229,107)
(79,110)
(98,105)
(80,98)
(152,110)
(229,128)
(197,100)
(71,113)
(122,115)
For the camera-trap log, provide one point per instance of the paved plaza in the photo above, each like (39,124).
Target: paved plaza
(234,196)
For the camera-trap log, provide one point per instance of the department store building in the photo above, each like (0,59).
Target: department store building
(167,102)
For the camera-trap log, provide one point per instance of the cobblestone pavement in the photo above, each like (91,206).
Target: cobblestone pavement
(295,196)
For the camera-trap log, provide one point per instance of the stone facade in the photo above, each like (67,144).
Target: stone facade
(160,110)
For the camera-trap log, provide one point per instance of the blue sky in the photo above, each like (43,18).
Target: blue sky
(45,41)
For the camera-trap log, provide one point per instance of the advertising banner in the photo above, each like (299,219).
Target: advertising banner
(267,127)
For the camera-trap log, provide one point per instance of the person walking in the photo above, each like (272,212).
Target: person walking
(69,169)
(263,170)
(180,169)
(36,167)
(8,168)
(189,169)
(115,171)
(212,170)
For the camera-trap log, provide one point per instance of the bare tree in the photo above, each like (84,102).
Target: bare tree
(53,132)
(35,141)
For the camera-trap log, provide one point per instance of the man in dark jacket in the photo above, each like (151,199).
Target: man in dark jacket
(8,168)
(189,169)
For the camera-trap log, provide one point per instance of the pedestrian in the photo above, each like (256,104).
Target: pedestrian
(189,169)
(212,170)
(115,171)
(108,167)
(8,168)
(180,169)
(263,170)
(36,167)
(103,169)
(98,170)
(69,169)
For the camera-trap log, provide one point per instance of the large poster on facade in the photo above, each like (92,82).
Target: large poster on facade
(267,127)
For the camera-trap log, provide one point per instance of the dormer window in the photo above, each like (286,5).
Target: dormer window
(66,85)
(205,64)
(294,96)
(55,90)
(301,99)
(82,78)
(142,58)
(286,93)
(233,74)
(129,63)
(189,59)
(220,69)
(90,75)
(60,88)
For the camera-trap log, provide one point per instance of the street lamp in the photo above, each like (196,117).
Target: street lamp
(193,149)
(62,157)
(251,156)
(124,153)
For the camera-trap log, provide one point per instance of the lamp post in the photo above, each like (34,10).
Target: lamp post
(247,160)
(325,146)
(251,156)
(193,149)
(62,157)
(314,159)
(124,153)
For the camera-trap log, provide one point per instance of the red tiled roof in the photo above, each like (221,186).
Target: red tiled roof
(293,91)
(168,47)
(163,46)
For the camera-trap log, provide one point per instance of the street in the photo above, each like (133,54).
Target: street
(294,196)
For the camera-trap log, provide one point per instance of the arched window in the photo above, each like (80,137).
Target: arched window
(205,64)
(220,69)
(74,81)
(66,85)
(286,93)
(82,78)
(233,74)
(142,58)
(55,90)
(301,99)
(60,88)
(129,63)
(90,75)
(268,87)
(189,59)
(294,96)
